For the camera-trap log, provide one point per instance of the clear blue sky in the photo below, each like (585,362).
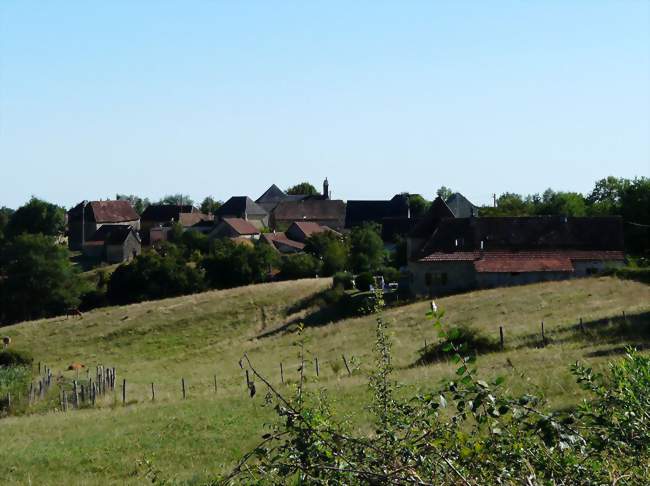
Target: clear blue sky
(225,97)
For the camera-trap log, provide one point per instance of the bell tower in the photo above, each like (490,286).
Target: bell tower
(326,189)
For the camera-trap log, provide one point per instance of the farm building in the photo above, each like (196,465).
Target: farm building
(468,253)
(243,207)
(158,216)
(114,244)
(235,228)
(88,216)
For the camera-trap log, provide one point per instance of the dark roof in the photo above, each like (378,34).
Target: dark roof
(359,212)
(113,234)
(501,261)
(104,212)
(309,209)
(526,233)
(240,206)
(429,222)
(277,240)
(165,212)
(461,206)
(273,195)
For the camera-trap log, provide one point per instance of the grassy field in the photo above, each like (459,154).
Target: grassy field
(197,337)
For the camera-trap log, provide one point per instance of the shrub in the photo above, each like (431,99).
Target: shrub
(301,265)
(14,357)
(390,274)
(344,280)
(364,281)
(471,340)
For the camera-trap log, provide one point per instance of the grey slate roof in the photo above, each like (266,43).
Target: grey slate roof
(240,206)
(461,206)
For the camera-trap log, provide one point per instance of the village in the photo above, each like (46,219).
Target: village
(449,248)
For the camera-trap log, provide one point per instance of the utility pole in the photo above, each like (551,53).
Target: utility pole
(494,198)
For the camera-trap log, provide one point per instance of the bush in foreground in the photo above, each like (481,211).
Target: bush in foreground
(467,431)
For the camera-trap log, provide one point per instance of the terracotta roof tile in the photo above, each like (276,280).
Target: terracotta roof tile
(241,226)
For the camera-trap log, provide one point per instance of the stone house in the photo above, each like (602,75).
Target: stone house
(235,228)
(462,254)
(114,244)
(159,216)
(324,212)
(301,230)
(274,195)
(282,243)
(243,207)
(88,216)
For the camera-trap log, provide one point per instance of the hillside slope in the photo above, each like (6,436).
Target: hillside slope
(202,336)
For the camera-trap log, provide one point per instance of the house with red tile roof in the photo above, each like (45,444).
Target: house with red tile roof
(301,230)
(468,253)
(235,228)
(282,243)
(88,216)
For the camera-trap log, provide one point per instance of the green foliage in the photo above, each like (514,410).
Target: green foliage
(444,193)
(182,199)
(366,248)
(5,215)
(36,279)
(14,380)
(233,264)
(466,431)
(331,249)
(345,280)
(471,339)
(152,276)
(209,205)
(304,188)
(418,205)
(36,217)
(390,274)
(15,357)
(175,233)
(301,265)
(138,203)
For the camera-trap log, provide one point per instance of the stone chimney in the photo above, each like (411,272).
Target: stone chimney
(326,189)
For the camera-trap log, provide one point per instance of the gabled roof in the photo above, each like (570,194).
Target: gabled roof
(309,209)
(526,233)
(113,234)
(191,219)
(359,212)
(240,205)
(429,222)
(104,212)
(241,226)
(272,194)
(166,212)
(277,240)
(461,206)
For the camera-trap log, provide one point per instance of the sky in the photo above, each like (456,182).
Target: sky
(225,98)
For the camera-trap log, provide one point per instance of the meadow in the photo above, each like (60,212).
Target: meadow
(198,337)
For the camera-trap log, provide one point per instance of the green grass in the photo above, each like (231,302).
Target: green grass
(196,337)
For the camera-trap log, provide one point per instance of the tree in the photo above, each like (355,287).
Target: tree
(330,249)
(562,203)
(302,265)
(37,216)
(366,248)
(152,276)
(233,264)
(509,204)
(444,193)
(138,203)
(36,278)
(418,205)
(5,215)
(304,188)
(635,209)
(183,199)
(209,205)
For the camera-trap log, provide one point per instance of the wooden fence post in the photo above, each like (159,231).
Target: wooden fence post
(124,392)
(183,384)
(153,393)
(501,337)
(345,362)
(281,373)
(215,383)
(65,401)
(582,326)
(75,391)
(317,367)
(543,337)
